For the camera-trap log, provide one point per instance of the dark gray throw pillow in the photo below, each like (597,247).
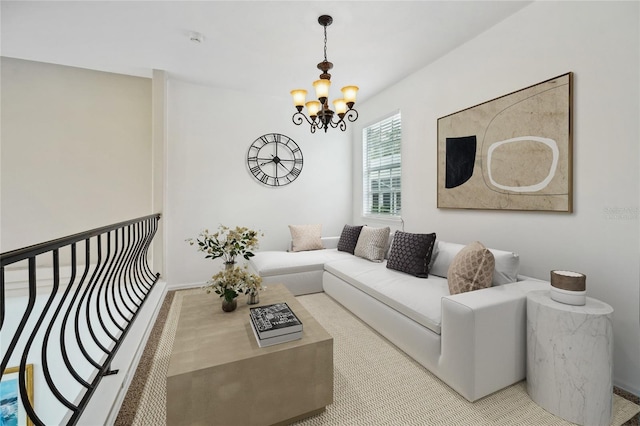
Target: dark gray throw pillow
(349,238)
(411,253)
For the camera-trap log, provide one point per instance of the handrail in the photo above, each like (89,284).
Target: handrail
(72,339)
(17,255)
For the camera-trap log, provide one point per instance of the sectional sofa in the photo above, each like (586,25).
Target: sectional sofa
(474,341)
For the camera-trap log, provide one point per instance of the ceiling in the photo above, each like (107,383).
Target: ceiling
(267,47)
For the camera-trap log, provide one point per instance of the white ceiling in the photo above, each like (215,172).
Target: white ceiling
(268,47)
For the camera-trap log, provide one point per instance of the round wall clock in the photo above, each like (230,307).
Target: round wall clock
(274,159)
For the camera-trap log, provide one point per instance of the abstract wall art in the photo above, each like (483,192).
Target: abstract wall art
(510,153)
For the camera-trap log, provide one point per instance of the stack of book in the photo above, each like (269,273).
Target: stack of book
(273,324)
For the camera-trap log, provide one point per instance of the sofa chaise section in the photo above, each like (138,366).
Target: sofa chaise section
(300,272)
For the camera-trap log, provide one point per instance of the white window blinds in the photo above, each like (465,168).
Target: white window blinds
(382,167)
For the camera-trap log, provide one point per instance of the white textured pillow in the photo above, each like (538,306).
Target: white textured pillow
(372,243)
(306,237)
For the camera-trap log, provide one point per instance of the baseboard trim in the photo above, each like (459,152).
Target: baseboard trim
(183,286)
(627,387)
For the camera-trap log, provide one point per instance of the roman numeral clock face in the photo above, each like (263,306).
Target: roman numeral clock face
(274,159)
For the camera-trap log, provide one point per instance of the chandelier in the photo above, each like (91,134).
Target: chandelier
(320,115)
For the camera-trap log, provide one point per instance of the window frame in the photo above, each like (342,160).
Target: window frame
(392,171)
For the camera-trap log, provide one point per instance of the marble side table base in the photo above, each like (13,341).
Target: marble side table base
(569,358)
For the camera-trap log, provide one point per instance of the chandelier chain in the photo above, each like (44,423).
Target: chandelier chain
(325,43)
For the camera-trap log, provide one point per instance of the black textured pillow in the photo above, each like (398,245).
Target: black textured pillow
(411,253)
(349,238)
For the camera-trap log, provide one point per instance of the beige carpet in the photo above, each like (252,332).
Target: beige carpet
(375,383)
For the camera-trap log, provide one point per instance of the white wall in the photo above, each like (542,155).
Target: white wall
(76,150)
(599,43)
(208,182)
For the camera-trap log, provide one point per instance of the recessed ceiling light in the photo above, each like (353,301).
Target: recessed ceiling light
(196,37)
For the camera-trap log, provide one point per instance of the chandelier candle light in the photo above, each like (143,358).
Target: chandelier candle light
(320,115)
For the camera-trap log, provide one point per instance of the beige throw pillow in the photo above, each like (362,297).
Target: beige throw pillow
(306,237)
(372,243)
(471,269)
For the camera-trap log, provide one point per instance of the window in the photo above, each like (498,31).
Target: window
(382,167)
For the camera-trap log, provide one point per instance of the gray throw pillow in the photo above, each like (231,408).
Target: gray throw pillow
(349,238)
(411,253)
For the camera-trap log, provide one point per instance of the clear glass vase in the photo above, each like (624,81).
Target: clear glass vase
(229,305)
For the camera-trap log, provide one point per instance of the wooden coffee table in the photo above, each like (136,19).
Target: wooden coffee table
(218,375)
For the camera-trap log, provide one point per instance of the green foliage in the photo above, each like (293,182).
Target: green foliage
(227,243)
(230,282)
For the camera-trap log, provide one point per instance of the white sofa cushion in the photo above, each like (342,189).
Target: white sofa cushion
(270,263)
(506,269)
(416,298)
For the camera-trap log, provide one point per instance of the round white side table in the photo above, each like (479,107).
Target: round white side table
(569,358)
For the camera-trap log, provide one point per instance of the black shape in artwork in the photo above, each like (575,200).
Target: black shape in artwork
(460,160)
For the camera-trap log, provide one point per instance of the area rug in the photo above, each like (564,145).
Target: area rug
(374,383)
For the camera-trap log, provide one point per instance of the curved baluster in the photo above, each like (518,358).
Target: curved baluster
(133,265)
(99,284)
(107,283)
(104,302)
(81,301)
(63,327)
(25,317)
(152,227)
(44,356)
(122,283)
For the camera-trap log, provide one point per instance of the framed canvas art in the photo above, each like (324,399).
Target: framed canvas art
(510,153)
(12,409)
